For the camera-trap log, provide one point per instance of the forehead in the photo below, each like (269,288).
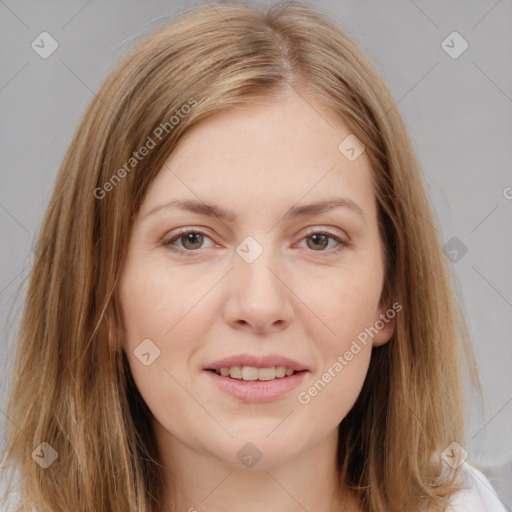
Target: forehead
(272,150)
(286,128)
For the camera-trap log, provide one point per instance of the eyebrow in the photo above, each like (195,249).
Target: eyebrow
(294,212)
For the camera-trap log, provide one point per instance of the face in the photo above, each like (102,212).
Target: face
(271,284)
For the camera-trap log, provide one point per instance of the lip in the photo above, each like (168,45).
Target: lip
(255,390)
(257,362)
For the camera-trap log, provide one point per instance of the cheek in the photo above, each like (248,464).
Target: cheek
(334,392)
(344,304)
(159,303)
(163,307)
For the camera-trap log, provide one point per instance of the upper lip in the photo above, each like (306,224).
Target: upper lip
(257,362)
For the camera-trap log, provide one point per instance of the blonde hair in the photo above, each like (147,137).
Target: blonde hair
(72,391)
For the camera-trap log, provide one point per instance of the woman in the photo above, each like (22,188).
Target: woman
(240,298)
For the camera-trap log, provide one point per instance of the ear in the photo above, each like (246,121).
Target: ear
(385,322)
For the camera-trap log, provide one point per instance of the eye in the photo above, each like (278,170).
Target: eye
(317,240)
(192,240)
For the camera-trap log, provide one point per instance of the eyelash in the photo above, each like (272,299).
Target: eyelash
(168,244)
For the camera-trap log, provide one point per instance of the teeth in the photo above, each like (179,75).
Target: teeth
(235,372)
(280,371)
(249,373)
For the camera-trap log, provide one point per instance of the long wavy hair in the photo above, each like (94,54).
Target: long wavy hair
(72,391)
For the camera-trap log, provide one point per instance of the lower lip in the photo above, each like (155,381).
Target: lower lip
(257,390)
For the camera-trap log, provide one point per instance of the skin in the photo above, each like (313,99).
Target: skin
(296,299)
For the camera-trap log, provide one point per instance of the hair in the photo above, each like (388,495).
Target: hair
(72,391)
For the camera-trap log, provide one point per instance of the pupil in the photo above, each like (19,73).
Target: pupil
(190,238)
(319,238)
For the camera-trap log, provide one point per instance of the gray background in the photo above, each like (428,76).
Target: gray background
(458,111)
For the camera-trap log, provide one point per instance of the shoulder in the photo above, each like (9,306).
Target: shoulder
(477,495)
(10,499)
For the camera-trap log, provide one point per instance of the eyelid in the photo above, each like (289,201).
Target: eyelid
(311,230)
(167,242)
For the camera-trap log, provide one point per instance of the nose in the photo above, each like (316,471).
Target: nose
(259,299)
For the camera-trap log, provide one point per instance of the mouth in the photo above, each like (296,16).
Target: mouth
(256,385)
(253,373)
(256,377)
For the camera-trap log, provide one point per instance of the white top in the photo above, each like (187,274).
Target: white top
(478,496)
